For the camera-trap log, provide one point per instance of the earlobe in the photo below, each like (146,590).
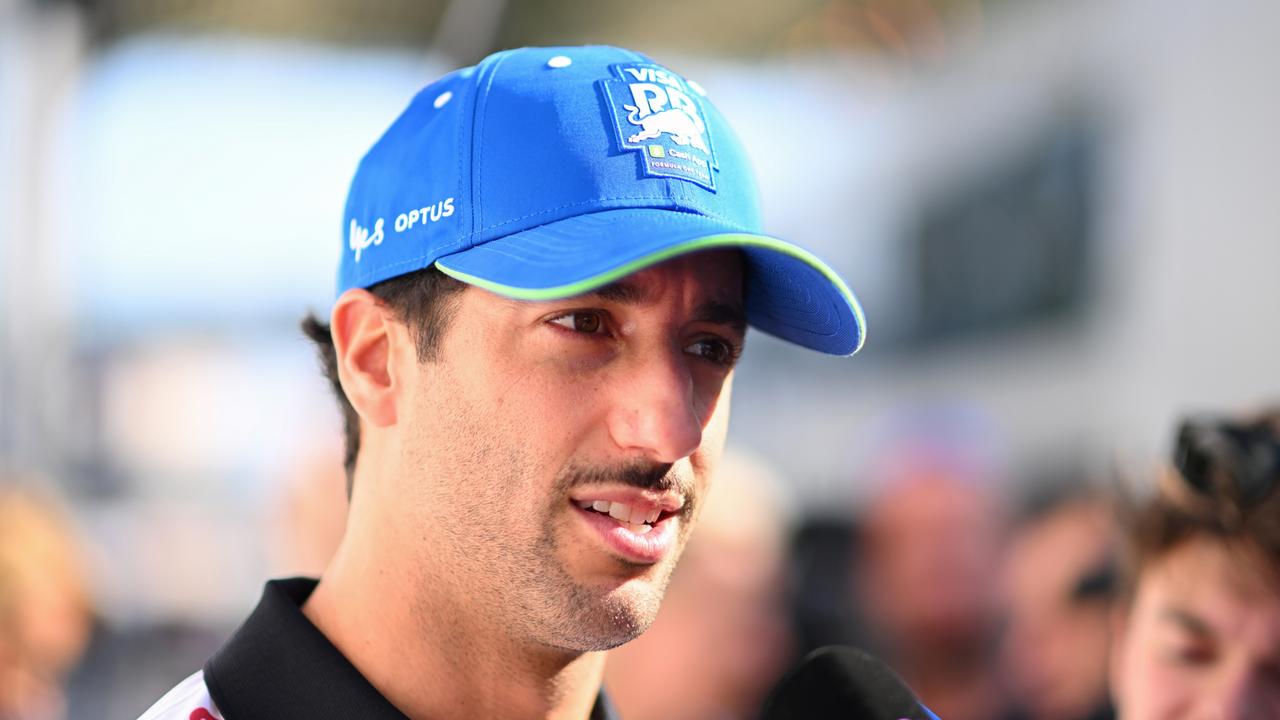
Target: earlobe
(362,338)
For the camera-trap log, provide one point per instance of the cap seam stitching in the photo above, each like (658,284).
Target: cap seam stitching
(464,177)
(477,147)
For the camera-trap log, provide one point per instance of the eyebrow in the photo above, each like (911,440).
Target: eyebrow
(718,313)
(620,292)
(1187,621)
(712,311)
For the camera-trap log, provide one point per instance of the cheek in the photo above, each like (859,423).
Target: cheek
(531,422)
(706,459)
(552,392)
(457,442)
(711,388)
(1153,688)
(717,425)
(538,406)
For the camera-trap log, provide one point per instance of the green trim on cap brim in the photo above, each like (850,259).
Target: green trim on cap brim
(704,243)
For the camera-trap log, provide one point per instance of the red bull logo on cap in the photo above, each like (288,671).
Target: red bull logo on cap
(660,114)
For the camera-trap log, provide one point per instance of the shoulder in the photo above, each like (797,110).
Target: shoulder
(189,700)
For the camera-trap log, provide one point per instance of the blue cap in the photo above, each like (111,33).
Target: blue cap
(544,173)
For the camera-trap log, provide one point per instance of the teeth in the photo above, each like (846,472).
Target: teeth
(638,519)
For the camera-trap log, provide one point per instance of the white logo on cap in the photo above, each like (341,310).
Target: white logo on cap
(659,110)
(660,115)
(360,238)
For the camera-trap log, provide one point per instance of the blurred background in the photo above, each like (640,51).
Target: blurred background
(1060,216)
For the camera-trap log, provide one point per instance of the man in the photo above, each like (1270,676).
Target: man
(1059,587)
(926,567)
(46,617)
(1202,634)
(551,259)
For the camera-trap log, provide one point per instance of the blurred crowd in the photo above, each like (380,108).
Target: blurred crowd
(44,605)
(1078,601)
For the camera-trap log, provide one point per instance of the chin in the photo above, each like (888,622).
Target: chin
(615,618)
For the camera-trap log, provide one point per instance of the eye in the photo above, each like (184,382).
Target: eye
(715,350)
(1191,655)
(588,322)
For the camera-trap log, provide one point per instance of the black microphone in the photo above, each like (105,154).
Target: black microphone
(841,682)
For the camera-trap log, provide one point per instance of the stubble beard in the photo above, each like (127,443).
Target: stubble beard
(508,570)
(567,614)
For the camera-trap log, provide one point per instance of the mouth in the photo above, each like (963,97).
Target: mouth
(637,527)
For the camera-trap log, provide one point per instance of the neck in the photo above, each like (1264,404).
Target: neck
(426,650)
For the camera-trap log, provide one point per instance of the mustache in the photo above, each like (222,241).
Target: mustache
(640,475)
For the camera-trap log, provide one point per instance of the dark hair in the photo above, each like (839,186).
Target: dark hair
(421,300)
(1224,485)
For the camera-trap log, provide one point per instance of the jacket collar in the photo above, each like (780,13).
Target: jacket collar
(278,665)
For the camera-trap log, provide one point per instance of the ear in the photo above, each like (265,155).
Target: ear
(364,332)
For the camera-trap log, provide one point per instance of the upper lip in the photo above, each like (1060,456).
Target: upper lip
(647,500)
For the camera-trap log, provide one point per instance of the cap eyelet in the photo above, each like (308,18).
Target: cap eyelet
(442,98)
(560,61)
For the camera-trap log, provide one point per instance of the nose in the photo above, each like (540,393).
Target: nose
(655,412)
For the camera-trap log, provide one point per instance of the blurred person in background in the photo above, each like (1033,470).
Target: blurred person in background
(926,569)
(309,515)
(45,612)
(722,638)
(1200,636)
(1059,586)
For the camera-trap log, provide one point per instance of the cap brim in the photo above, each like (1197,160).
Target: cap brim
(790,293)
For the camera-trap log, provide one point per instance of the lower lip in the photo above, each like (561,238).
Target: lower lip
(647,548)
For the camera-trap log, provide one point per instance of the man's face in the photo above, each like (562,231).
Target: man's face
(1202,639)
(541,422)
(1054,638)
